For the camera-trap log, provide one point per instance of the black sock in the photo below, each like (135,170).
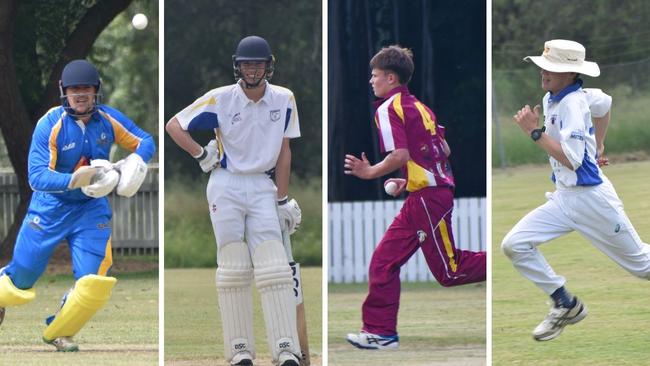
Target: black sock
(563,298)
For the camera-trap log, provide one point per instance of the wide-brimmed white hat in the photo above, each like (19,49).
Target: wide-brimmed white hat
(561,55)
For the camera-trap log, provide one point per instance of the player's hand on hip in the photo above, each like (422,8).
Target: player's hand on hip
(210,156)
(357,167)
(290,215)
(528,119)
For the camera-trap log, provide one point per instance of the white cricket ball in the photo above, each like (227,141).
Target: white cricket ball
(390,188)
(139,21)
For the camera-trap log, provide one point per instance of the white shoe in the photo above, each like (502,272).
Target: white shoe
(288,359)
(366,340)
(63,344)
(2,314)
(557,319)
(243,358)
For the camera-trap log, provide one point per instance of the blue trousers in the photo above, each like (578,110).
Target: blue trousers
(84,225)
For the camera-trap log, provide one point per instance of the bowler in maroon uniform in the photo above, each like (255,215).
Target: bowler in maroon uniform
(415,143)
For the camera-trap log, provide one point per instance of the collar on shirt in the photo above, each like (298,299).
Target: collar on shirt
(398,89)
(569,89)
(244,99)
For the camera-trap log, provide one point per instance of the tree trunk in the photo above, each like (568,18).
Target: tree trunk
(16,123)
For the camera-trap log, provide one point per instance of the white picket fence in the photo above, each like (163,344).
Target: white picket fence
(355,229)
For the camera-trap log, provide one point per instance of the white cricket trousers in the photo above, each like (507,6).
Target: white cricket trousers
(596,213)
(243,208)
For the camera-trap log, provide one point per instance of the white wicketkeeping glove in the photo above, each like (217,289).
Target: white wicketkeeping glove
(132,170)
(210,156)
(290,216)
(103,183)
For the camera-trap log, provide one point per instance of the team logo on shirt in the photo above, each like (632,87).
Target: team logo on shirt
(236,118)
(68,146)
(578,135)
(275,115)
(102,140)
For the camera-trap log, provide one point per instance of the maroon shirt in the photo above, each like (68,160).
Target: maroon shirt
(403,122)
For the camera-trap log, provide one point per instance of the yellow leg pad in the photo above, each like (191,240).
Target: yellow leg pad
(90,293)
(12,295)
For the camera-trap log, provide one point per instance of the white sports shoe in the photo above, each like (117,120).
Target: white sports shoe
(557,319)
(288,359)
(2,314)
(366,340)
(63,344)
(243,358)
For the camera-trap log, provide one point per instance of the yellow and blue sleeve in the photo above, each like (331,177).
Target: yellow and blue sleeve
(43,154)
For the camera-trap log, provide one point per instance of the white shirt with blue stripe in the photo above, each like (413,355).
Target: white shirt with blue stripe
(251,133)
(567,117)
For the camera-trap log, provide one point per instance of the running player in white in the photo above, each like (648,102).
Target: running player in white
(253,121)
(584,200)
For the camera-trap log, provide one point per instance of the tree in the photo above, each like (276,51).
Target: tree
(37,39)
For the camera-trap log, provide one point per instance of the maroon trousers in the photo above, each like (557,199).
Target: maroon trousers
(423,222)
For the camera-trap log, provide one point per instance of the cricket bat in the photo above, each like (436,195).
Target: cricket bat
(300,306)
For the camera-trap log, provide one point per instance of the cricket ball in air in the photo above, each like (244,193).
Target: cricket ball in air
(139,21)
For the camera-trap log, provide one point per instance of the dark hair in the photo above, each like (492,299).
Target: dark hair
(395,59)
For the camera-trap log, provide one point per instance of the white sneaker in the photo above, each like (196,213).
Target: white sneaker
(63,344)
(366,340)
(557,319)
(243,358)
(288,359)
(2,314)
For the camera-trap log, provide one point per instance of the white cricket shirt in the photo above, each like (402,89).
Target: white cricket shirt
(567,117)
(251,133)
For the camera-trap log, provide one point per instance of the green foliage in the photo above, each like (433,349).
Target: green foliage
(611,334)
(189,238)
(124,332)
(193,324)
(628,131)
(200,38)
(615,35)
(435,325)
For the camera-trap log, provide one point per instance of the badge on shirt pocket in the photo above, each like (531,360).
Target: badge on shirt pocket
(275,115)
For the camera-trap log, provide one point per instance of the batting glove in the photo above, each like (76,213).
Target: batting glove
(210,156)
(290,215)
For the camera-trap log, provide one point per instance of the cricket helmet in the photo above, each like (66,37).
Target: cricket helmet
(253,48)
(79,73)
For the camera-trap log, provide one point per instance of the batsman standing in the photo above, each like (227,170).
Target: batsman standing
(584,199)
(70,174)
(415,143)
(253,123)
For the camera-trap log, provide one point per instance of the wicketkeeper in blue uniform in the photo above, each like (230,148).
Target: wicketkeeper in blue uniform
(71,176)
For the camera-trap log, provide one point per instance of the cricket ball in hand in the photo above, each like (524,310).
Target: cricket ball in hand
(390,188)
(139,21)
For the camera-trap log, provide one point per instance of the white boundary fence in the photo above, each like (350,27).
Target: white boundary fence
(135,219)
(355,229)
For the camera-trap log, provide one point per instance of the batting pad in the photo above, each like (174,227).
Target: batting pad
(90,293)
(12,295)
(275,284)
(234,276)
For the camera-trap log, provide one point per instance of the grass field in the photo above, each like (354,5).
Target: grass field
(189,239)
(437,326)
(617,329)
(193,324)
(125,332)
